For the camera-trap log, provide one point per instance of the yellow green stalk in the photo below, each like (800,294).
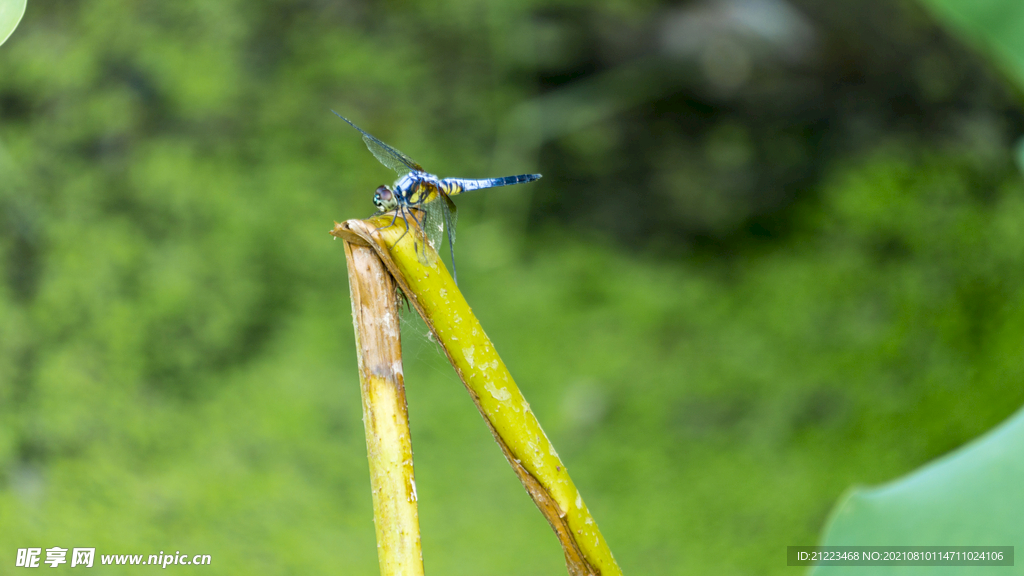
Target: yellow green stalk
(430,289)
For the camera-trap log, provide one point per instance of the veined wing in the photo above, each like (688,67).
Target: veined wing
(387,155)
(440,216)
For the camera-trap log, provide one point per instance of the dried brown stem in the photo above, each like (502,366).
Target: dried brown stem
(385,412)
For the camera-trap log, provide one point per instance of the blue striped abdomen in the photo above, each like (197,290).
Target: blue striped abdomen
(453,186)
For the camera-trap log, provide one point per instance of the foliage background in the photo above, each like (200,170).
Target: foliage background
(777,252)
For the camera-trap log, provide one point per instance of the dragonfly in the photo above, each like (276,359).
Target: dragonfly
(416,190)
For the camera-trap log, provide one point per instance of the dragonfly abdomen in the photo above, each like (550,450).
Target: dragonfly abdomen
(453,186)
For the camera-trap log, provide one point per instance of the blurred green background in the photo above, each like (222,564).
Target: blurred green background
(777,251)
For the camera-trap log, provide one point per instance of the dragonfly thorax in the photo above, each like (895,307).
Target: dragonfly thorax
(407,183)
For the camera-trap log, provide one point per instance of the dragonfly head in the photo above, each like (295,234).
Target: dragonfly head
(384,199)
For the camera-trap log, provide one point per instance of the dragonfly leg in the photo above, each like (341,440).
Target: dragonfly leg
(406,213)
(379,228)
(418,223)
(405,219)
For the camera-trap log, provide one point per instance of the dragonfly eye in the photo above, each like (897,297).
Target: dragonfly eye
(384,198)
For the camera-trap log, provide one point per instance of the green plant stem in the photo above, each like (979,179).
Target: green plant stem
(431,290)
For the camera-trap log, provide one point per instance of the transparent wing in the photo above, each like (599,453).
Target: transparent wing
(452,214)
(439,216)
(434,223)
(387,155)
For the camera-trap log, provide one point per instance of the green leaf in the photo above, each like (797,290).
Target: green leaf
(973,496)
(993,25)
(11,12)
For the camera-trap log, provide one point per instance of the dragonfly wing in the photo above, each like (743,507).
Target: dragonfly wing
(451,214)
(434,223)
(387,155)
(441,215)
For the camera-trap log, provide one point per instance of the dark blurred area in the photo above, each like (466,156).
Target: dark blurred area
(722,117)
(775,253)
